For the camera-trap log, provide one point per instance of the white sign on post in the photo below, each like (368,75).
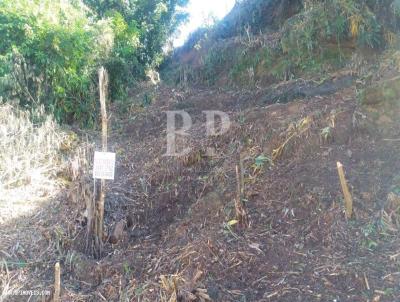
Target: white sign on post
(104,165)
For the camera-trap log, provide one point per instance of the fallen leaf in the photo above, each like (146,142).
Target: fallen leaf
(233,222)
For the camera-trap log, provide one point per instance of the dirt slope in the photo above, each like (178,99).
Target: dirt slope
(299,246)
(175,212)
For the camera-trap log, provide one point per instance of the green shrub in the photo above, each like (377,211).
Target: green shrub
(49,55)
(215,61)
(249,60)
(51,50)
(141,29)
(308,34)
(396,7)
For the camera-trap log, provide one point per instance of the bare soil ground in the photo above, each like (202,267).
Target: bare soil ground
(177,243)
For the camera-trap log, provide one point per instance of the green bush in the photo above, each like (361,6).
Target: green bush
(48,55)
(308,34)
(51,49)
(141,30)
(249,60)
(123,65)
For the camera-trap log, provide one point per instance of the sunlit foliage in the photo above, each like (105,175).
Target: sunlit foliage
(50,50)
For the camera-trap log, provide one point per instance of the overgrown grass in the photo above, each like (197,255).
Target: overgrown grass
(30,144)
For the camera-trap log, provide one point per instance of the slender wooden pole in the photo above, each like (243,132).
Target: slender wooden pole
(103,87)
(238,200)
(241,169)
(57,282)
(348,200)
(241,213)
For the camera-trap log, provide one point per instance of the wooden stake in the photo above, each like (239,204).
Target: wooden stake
(103,87)
(57,283)
(241,169)
(366,281)
(348,200)
(241,214)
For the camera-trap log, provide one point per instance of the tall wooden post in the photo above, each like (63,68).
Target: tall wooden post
(99,220)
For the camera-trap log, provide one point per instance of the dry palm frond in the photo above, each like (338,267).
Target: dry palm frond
(175,289)
(170,284)
(389,222)
(202,294)
(391,214)
(293,131)
(391,38)
(355,22)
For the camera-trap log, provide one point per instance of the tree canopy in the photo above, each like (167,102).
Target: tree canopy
(51,49)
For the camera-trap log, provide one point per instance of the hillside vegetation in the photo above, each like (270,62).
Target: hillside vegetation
(258,213)
(283,40)
(51,51)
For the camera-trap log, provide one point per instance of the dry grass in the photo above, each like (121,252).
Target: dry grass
(295,130)
(33,153)
(30,144)
(8,281)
